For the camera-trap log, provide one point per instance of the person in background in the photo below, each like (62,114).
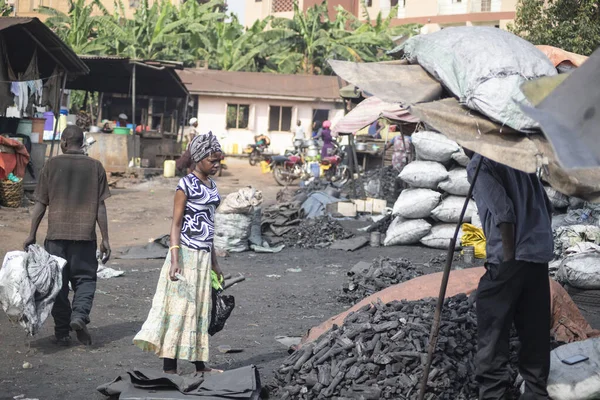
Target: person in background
(517,221)
(401,154)
(299,133)
(73,187)
(375,130)
(316,130)
(327,140)
(177,325)
(106,127)
(193,131)
(122,120)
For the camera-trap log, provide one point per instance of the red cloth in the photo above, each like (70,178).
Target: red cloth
(21,159)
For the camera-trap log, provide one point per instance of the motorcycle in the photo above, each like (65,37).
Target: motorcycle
(87,143)
(292,166)
(256,151)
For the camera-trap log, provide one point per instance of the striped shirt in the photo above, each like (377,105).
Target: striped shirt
(198,228)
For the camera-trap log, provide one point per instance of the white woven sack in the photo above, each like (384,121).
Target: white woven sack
(440,237)
(416,203)
(424,174)
(402,232)
(433,146)
(457,182)
(461,158)
(450,208)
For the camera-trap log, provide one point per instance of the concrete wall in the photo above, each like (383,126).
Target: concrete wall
(212,117)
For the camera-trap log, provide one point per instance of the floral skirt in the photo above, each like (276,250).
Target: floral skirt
(177,325)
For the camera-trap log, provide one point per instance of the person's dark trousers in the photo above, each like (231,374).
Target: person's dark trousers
(519,292)
(81,271)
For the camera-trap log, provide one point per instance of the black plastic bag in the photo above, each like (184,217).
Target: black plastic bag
(222,306)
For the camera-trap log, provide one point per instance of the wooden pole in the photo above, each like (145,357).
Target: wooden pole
(57,113)
(435,327)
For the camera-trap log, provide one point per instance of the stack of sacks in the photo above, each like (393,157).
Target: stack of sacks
(428,211)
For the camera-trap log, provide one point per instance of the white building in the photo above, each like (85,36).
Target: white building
(239,105)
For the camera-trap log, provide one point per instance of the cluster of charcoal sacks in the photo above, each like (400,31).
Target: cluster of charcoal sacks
(364,279)
(427,212)
(379,352)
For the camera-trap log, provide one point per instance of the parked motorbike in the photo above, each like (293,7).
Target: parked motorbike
(256,151)
(87,143)
(292,166)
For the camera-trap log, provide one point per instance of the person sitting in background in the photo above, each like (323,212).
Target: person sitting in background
(122,121)
(193,131)
(375,130)
(106,127)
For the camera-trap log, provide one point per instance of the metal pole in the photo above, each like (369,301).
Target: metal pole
(435,328)
(100,101)
(133,84)
(185,117)
(57,114)
(381,174)
(352,161)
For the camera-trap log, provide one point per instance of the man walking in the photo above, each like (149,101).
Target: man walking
(73,187)
(516,217)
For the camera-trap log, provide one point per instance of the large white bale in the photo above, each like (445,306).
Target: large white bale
(403,232)
(424,174)
(416,203)
(440,237)
(450,208)
(457,182)
(433,146)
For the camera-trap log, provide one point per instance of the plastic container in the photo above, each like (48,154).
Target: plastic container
(375,239)
(62,120)
(315,169)
(25,126)
(121,131)
(169,169)
(468,254)
(49,124)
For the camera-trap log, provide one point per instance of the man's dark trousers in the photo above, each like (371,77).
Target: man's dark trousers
(81,271)
(519,292)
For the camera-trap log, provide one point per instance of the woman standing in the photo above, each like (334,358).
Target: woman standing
(327,140)
(177,325)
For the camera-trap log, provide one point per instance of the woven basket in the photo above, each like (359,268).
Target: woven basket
(11,194)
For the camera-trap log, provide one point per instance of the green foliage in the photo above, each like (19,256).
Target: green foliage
(573,25)
(6,10)
(203,31)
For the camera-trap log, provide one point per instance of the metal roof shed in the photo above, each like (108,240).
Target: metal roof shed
(21,38)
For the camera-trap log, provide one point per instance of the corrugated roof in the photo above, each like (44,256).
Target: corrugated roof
(113,75)
(22,36)
(260,84)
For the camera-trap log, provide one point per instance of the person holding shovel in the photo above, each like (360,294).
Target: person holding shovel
(517,221)
(178,322)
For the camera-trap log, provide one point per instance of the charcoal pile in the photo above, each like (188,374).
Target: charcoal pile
(315,233)
(379,351)
(382,273)
(371,184)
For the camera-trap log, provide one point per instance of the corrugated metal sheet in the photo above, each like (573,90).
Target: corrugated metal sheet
(22,36)
(113,75)
(308,87)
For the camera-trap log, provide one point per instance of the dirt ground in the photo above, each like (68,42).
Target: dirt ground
(266,307)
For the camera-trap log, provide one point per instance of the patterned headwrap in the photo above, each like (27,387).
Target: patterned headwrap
(204,145)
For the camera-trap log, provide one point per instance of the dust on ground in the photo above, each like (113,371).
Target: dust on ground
(266,307)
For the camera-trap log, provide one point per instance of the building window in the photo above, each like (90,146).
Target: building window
(238,116)
(279,6)
(369,3)
(280,119)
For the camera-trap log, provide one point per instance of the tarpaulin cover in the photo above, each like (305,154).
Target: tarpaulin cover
(569,116)
(394,82)
(242,383)
(484,67)
(369,111)
(504,145)
(568,324)
(559,56)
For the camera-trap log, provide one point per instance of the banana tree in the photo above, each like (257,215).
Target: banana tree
(78,28)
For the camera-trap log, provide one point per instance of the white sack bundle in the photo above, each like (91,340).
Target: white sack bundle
(461,158)
(424,174)
(416,203)
(457,182)
(433,146)
(440,237)
(403,232)
(450,208)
